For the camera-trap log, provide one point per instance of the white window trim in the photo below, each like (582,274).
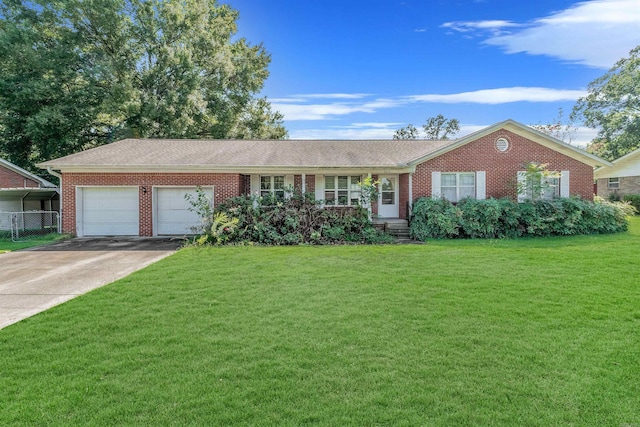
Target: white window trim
(336,190)
(616,182)
(272,188)
(458,186)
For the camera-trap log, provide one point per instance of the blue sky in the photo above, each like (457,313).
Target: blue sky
(347,69)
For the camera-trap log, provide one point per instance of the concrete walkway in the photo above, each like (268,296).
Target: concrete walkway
(36,279)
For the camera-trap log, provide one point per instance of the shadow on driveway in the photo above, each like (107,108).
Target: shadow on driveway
(113,244)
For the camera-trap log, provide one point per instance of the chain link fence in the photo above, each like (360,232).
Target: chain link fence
(23,225)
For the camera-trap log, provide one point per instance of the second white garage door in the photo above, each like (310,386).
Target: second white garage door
(171,210)
(108,211)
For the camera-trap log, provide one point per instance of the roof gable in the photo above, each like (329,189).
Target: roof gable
(627,165)
(525,131)
(17,169)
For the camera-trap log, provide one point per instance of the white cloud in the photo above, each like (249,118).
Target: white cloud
(494,26)
(297,107)
(583,136)
(595,33)
(382,130)
(503,96)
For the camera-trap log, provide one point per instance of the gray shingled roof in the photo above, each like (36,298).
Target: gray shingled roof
(250,153)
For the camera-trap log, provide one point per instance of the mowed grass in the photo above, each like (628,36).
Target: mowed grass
(531,332)
(7,245)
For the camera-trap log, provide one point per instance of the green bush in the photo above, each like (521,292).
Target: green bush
(435,218)
(299,219)
(504,218)
(634,200)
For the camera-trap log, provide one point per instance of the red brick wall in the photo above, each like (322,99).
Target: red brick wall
(12,179)
(225,186)
(404,194)
(309,181)
(502,168)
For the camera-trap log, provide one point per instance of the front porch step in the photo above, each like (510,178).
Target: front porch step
(398,228)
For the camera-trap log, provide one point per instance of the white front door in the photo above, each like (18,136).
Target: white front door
(389,197)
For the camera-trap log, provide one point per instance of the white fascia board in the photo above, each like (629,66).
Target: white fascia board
(309,170)
(627,165)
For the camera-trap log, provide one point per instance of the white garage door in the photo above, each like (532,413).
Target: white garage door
(108,211)
(172,214)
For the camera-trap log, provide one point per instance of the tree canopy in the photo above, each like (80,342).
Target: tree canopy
(436,128)
(613,107)
(80,73)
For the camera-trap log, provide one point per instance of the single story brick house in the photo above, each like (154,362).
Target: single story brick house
(22,191)
(137,186)
(622,178)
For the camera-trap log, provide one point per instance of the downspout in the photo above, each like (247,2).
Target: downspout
(304,183)
(22,200)
(59,191)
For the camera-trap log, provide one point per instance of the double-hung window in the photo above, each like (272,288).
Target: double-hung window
(536,187)
(272,185)
(552,188)
(342,190)
(456,186)
(614,183)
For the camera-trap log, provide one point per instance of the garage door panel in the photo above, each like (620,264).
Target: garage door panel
(110,211)
(173,214)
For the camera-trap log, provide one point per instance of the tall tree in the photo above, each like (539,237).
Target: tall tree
(439,127)
(613,106)
(79,73)
(436,128)
(407,132)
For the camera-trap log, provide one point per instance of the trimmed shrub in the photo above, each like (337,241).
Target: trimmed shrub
(504,218)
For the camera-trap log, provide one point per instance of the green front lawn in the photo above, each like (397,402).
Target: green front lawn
(6,245)
(530,332)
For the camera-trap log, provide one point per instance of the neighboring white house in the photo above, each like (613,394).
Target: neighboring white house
(620,179)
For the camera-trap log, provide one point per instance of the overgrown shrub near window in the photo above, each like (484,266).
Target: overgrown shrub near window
(634,200)
(435,218)
(504,218)
(298,219)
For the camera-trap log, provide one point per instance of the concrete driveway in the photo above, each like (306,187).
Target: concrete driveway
(33,280)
